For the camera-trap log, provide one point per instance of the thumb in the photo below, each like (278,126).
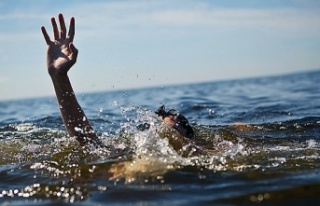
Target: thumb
(73,50)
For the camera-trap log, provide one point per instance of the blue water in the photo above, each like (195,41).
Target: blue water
(257,142)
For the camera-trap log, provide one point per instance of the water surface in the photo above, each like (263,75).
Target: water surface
(257,141)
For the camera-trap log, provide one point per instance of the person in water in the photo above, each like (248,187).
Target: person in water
(61,56)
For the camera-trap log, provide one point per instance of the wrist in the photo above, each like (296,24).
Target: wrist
(58,70)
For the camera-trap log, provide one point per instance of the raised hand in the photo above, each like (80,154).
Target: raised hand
(61,56)
(61,53)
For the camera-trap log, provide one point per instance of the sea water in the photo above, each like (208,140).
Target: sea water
(257,141)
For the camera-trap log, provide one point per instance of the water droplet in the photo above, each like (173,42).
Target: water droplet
(211,111)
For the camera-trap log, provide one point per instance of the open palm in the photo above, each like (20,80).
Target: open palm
(61,53)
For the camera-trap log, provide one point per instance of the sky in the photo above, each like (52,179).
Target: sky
(132,44)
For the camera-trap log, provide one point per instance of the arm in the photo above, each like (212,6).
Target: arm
(61,56)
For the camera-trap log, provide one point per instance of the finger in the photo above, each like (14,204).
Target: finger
(71,29)
(62,27)
(45,35)
(55,29)
(74,51)
(73,55)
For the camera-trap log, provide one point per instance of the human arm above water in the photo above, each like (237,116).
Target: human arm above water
(61,56)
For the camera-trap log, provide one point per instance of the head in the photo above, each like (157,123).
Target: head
(176,121)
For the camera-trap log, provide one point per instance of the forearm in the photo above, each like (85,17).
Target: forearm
(73,116)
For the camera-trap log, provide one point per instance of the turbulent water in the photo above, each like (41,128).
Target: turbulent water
(257,141)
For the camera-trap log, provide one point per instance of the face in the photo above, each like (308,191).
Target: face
(169,120)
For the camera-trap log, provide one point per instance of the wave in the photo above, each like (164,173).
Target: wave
(255,141)
(211,140)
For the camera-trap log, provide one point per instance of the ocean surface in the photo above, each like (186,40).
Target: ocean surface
(257,142)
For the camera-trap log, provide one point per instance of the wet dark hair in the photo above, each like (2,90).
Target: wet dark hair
(161,111)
